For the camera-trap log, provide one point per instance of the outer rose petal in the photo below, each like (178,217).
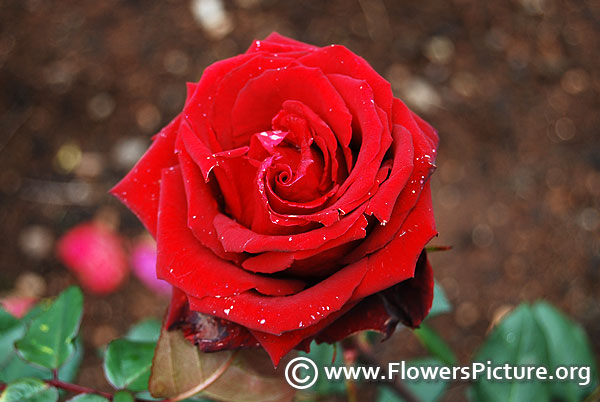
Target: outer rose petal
(198,106)
(278,346)
(188,265)
(408,302)
(276,315)
(336,59)
(227,92)
(370,132)
(396,262)
(279,43)
(140,189)
(406,200)
(383,201)
(202,207)
(369,314)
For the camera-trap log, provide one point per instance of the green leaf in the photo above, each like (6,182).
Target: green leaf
(30,390)
(386,394)
(423,390)
(7,320)
(145,331)
(13,367)
(123,396)
(538,336)
(426,390)
(127,364)
(518,341)
(48,340)
(88,398)
(68,371)
(145,396)
(434,343)
(179,368)
(10,330)
(322,355)
(560,331)
(440,304)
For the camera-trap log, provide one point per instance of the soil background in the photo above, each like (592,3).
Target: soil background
(513,88)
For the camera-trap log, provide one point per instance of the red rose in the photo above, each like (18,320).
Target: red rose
(290,201)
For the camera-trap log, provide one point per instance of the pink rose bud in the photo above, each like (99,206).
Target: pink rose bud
(18,306)
(95,255)
(143,261)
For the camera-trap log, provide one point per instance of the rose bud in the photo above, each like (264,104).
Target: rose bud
(95,255)
(17,305)
(290,201)
(143,261)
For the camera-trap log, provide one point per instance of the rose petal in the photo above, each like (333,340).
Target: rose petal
(262,98)
(410,301)
(404,116)
(336,59)
(188,265)
(139,190)
(237,238)
(276,315)
(374,140)
(384,199)
(397,260)
(274,261)
(228,91)
(369,314)
(235,181)
(199,106)
(278,346)
(405,202)
(275,37)
(202,207)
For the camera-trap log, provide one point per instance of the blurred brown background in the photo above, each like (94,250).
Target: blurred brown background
(513,86)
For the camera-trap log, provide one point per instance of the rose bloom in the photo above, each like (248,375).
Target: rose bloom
(290,201)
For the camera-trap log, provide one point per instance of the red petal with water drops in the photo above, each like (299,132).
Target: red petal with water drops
(140,189)
(185,263)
